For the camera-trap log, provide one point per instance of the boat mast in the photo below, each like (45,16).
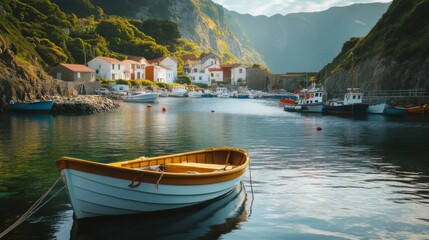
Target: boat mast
(353,72)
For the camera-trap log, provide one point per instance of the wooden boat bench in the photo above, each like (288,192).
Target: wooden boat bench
(193,167)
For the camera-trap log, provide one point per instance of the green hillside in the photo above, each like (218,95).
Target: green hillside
(401,34)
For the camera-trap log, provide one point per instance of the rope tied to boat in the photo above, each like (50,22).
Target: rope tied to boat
(159,179)
(34,208)
(251,187)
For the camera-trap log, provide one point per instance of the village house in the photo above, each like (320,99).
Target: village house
(108,68)
(238,75)
(133,70)
(216,75)
(200,78)
(168,62)
(158,73)
(188,61)
(73,73)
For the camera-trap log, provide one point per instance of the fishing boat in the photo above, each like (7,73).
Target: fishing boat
(310,101)
(142,97)
(151,184)
(351,104)
(36,106)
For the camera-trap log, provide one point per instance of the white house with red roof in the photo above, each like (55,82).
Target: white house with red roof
(215,75)
(133,70)
(168,62)
(108,68)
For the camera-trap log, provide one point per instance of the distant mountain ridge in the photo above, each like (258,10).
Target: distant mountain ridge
(307,41)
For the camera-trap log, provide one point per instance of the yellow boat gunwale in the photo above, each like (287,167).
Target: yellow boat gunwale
(128,170)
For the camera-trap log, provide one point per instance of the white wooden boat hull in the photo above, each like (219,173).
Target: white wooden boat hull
(94,195)
(151,184)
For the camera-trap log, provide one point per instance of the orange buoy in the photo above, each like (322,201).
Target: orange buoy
(164,109)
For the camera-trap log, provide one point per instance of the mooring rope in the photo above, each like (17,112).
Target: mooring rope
(251,189)
(34,208)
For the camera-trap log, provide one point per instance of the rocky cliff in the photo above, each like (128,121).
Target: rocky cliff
(21,78)
(393,56)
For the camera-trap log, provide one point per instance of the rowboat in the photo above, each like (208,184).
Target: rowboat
(151,184)
(36,106)
(395,111)
(424,109)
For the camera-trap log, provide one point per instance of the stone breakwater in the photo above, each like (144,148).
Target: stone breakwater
(83,104)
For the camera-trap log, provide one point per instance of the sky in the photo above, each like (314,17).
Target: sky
(283,7)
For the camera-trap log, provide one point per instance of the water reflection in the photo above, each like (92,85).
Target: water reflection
(205,222)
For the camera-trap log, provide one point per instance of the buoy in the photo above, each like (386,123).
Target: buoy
(164,109)
(319,129)
(212,110)
(149,106)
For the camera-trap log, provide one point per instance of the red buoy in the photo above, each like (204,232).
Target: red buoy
(319,129)
(149,106)
(164,109)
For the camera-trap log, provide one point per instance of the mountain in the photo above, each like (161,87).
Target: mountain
(295,42)
(307,41)
(207,24)
(393,55)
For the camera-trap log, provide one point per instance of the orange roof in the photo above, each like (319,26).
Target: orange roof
(137,59)
(110,60)
(77,67)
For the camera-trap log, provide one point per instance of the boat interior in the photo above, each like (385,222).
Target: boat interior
(198,162)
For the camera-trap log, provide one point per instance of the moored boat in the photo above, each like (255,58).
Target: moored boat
(422,110)
(36,106)
(151,184)
(350,105)
(376,108)
(142,97)
(395,111)
(178,91)
(310,101)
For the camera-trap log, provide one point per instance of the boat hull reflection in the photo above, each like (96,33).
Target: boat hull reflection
(207,221)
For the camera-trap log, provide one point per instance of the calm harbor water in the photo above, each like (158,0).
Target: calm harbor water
(365,178)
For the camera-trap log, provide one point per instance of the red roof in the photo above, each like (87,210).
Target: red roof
(110,60)
(191,57)
(77,67)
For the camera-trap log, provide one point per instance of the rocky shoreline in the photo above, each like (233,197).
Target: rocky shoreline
(87,104)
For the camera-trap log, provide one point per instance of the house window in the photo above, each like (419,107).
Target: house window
(97,71)
(195,70)
(113,66)
(212,74)
(200,78)
(78,75)
(240,70)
